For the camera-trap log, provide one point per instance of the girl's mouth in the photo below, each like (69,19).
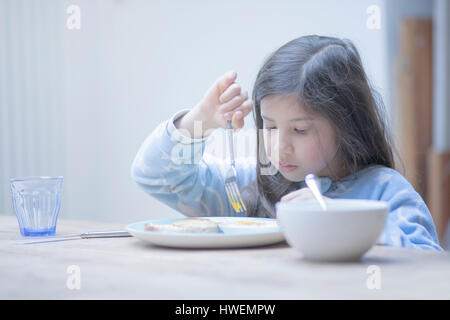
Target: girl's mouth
(287,168)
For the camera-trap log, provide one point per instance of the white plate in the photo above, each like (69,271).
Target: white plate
(206,240)
(268,225)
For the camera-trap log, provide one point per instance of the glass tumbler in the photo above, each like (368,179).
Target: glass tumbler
(36,202)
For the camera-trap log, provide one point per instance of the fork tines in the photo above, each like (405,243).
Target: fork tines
(234,196)
(231,186)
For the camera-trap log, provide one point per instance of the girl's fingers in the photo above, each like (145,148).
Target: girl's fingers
(301,194)
(245,108)
(225,81)
(232,91)
(238,120)
(233,103)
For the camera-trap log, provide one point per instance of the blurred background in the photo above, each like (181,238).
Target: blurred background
(83,82)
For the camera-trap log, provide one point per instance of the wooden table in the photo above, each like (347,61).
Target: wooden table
(128,268)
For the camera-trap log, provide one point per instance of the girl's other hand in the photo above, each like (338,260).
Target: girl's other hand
(300,194)
(223,101)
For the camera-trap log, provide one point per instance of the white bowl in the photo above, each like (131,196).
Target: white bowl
(344,232)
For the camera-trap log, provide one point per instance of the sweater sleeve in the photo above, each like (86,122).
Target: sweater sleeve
(171,167)
(409,223)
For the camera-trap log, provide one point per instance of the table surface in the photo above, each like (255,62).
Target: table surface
(129,268)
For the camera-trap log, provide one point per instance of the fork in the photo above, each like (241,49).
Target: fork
(231,186)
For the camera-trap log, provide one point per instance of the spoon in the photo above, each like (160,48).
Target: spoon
(313,184)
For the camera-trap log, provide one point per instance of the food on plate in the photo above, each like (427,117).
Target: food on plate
(194,225)
(247,224)
(250,226)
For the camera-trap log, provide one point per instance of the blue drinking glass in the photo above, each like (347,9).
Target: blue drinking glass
(36,202)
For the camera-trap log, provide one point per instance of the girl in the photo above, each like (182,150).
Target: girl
(313,100)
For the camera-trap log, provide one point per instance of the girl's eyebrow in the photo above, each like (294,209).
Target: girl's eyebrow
(292,120)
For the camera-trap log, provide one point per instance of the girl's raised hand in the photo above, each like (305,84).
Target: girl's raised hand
(300,194)
(223,101)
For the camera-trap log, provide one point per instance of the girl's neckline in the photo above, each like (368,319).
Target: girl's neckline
(355,174)
(327,182)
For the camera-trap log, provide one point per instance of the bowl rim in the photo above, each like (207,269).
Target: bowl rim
(313,205)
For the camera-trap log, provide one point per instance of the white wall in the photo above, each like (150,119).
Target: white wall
(31,99)
(135,63)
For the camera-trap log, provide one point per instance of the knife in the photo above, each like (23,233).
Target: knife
(86,235)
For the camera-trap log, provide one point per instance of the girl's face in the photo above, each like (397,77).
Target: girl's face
(300,143)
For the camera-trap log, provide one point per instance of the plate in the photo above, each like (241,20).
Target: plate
(234,239)
(260,226)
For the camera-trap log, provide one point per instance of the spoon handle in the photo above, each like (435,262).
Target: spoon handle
(313,184)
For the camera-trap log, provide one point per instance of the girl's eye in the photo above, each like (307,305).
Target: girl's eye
(300,131)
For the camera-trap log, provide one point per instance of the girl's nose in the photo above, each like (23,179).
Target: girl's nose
(284,143)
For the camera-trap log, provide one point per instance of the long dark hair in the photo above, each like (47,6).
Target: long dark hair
(327,76)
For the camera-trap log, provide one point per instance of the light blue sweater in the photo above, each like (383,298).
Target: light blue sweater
(172,168)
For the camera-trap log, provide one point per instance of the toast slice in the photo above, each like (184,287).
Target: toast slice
(192,225)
